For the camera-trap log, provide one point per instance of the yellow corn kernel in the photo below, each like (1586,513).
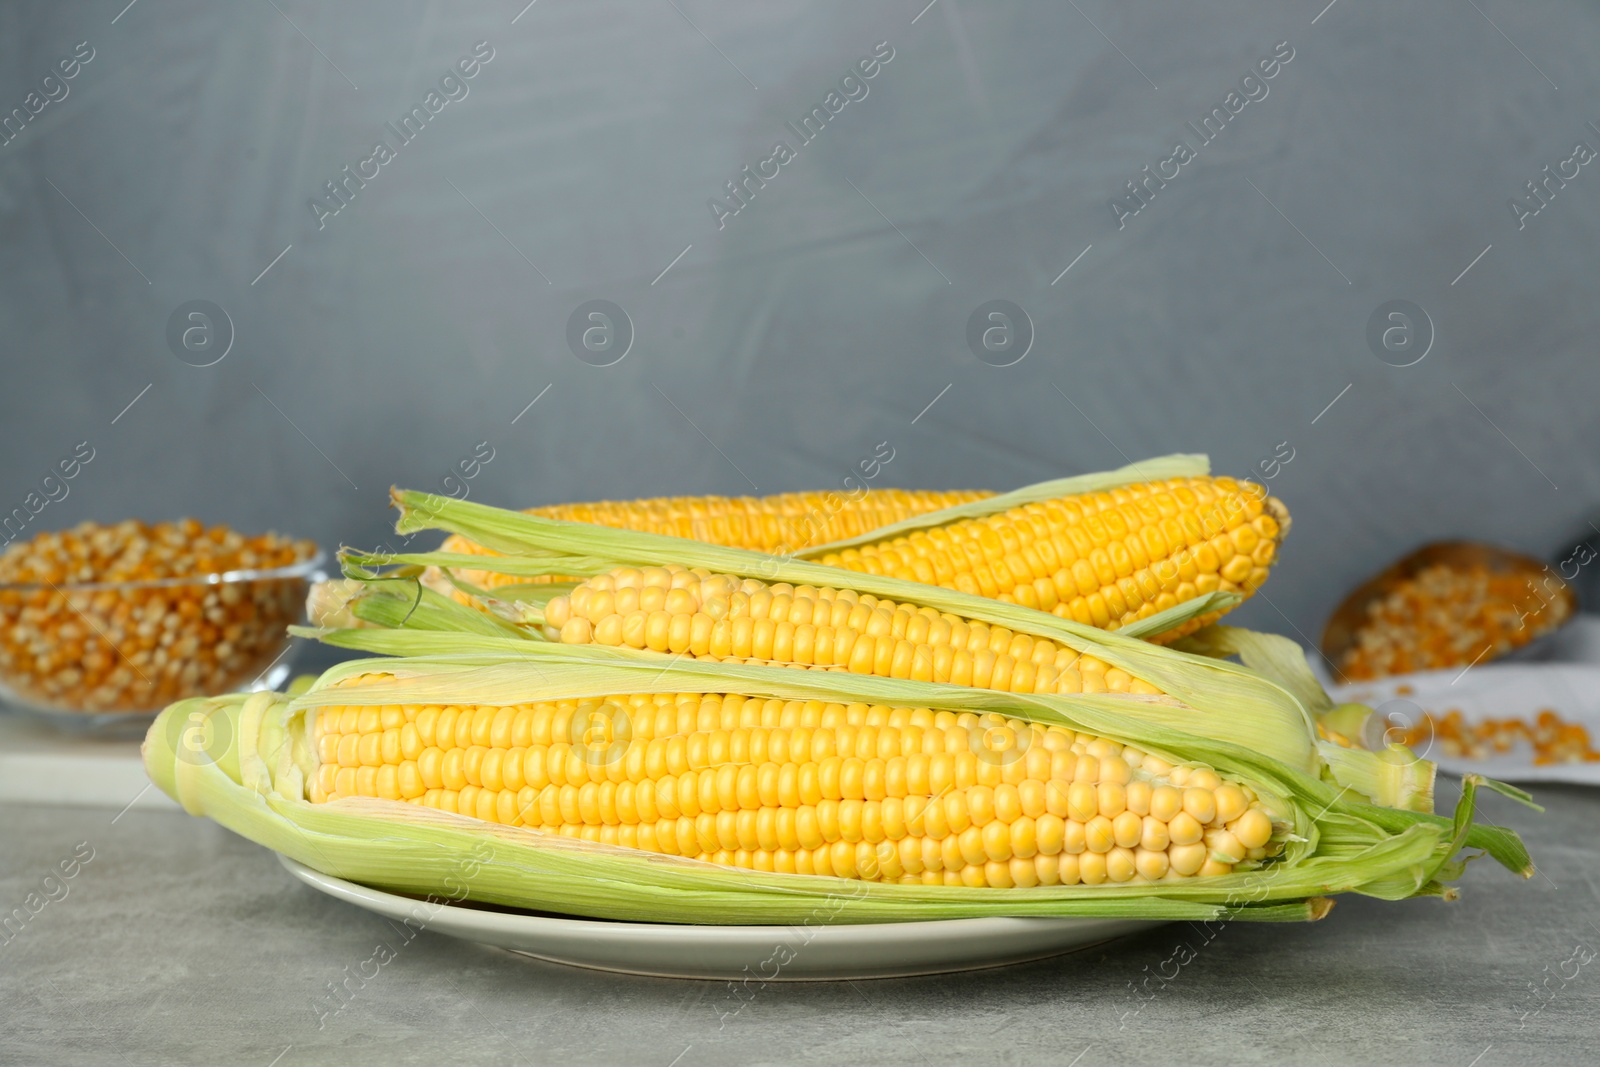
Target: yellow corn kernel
(854,791)
(1077,556)
(881,638)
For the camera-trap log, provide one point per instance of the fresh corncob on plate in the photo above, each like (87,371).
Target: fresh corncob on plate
(671,595)
(803,787)
(588,781)
(1101,549)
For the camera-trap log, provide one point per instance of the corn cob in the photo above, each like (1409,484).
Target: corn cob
(783,523)
(891,794)
(676,804)
(721,617)
(1105,557)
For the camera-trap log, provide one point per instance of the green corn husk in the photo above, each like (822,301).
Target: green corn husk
(1395,777)
(1157,469)
(244,761)
(550,546)
(1274,656)
(1389,772)
(1392,774)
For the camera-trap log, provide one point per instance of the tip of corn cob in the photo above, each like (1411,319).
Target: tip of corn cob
(1280,514)
(328,603)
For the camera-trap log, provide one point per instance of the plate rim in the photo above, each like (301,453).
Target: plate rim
(344,889)
(550,938)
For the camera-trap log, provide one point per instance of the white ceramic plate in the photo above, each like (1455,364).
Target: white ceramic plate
(1497,690)
(739,953)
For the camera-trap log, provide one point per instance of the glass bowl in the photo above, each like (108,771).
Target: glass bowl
(114,653)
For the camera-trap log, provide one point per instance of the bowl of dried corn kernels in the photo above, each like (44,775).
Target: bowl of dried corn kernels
(111,621)
(1448,605)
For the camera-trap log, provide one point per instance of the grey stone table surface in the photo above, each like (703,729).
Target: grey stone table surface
(177,942)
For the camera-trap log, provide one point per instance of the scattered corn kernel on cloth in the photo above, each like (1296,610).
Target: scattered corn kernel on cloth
(1564,678)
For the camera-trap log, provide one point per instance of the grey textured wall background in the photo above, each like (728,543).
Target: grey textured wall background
(824,317)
